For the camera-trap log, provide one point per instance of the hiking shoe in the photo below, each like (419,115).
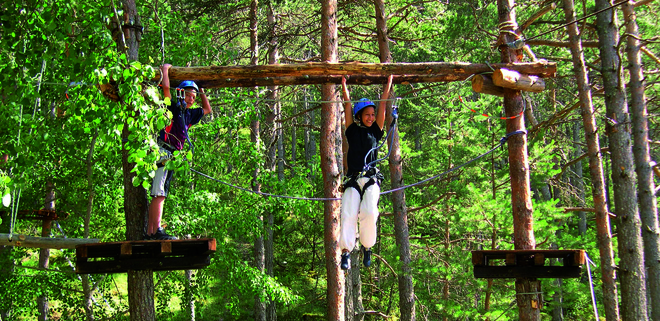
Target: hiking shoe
(162,236)
(345,261)
(367,257)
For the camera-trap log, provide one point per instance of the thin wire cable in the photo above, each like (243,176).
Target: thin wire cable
(267,194)
(270,99)
(577,20)
(591,285)
(502,142)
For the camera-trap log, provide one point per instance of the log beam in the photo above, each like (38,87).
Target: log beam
(43,242)
(359,73)
(515,80)
(484,84)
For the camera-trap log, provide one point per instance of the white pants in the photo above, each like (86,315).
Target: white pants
(353,209)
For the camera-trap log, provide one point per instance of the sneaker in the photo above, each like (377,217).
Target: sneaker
(147,237)
(345,260)
(162,236)
(367,257)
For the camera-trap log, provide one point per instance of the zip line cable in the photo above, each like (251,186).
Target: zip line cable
(503,141)
(518,44)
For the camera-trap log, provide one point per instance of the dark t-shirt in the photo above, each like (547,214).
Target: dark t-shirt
(360,141)
(176,133)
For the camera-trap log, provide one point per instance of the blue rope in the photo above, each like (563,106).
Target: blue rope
(395,116)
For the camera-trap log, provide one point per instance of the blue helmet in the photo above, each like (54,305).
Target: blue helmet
(361,104)
(188,84)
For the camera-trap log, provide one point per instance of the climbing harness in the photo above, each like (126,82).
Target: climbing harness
(374,175)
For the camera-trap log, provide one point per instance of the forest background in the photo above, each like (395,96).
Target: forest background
(63,138)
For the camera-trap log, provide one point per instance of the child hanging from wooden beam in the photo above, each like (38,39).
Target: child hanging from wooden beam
(362,183)
(172,138)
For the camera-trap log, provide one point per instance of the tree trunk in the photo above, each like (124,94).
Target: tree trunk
(189,298)
(255,137)
(405,278)
(631,266)
(273,58)
(558,296)
(578,180)
(353,309)
(140,283)
(603,233)
(645,185)
(44,253)
(523,222)
(86,284)
(310,142)
(6,266)
(331,166)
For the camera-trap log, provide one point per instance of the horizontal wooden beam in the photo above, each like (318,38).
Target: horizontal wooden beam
(359,73)
(43,242)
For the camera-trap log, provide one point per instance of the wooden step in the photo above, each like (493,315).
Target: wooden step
(527,263)
(119,257)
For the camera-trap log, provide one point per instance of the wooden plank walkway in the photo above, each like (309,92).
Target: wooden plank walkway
(120,257)
(527,264)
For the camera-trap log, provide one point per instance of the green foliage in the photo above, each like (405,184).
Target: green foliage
(58,129)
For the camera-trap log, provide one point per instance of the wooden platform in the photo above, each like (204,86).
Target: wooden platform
(121,257)
(527,264)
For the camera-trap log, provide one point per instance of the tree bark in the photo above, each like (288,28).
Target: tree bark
(512,79)
(140,283)
(484,84)
(6,264)
(189,298)
(255,137)
(361,73)
(44,253)
(523,222)
(631,267)
(603,233)
(331,166)
(353,308)
(405,278)
(273,58)
(85,279)
(645,186)
(578,180)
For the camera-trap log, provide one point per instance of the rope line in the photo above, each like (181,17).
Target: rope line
(513,44)
(503,141)
(591,285)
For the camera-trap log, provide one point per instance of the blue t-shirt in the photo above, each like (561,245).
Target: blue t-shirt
(182,118)
(360,141)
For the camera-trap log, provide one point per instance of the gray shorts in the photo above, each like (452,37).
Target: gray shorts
(161,183)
